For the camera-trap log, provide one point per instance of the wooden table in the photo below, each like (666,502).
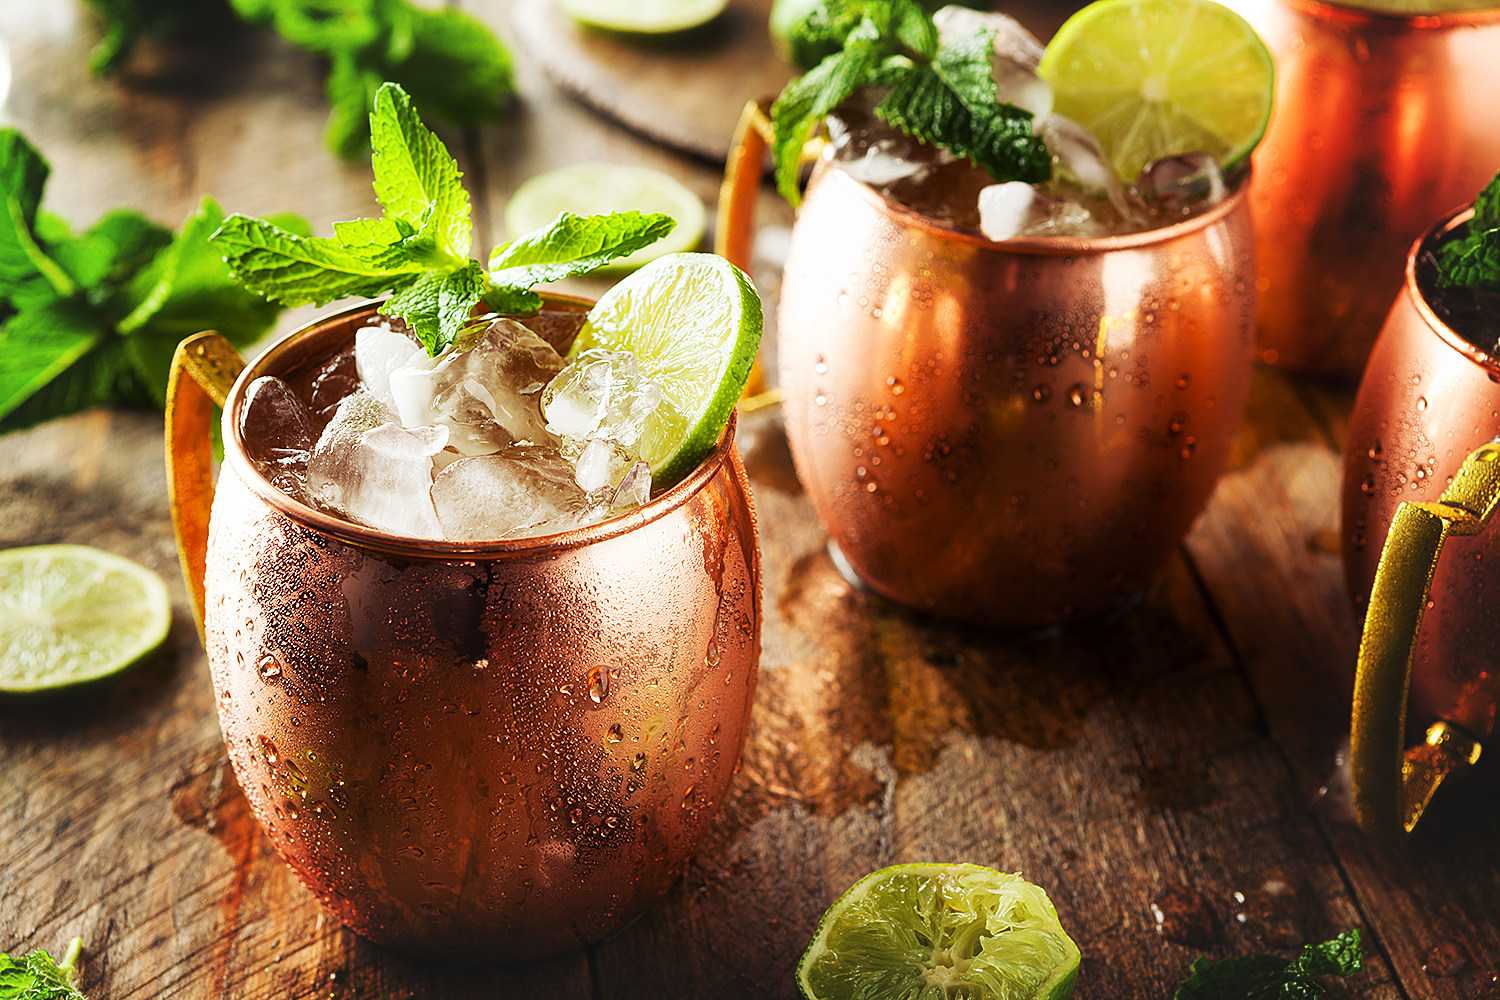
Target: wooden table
(1162,776)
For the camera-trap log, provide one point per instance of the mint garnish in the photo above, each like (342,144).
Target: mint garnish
(92,319)
(1267,977)
(37,977)
(944,95)
(448,61)
(419,250)
(1472,260)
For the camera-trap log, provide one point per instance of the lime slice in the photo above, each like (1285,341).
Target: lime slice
(1155,78)
(965,930)
(644,17)
(1419,6)
(601,188)
(70,613)
(693,322)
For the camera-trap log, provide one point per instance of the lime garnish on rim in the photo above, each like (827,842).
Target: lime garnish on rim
(1158,78)
(70,613)
(693,321)
(966,930)
(644,17)
(601,188)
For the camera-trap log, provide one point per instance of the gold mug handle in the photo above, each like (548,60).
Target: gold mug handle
(1392,786)
(204,368)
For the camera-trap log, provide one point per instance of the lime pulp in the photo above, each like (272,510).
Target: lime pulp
(646,17)
(963,929)
(71,613)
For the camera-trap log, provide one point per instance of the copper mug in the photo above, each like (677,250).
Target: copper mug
(498,749)
(1421,480)
(1382,122)
(1013,434)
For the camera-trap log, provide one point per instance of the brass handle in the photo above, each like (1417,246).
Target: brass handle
(1392,786)
(204,368)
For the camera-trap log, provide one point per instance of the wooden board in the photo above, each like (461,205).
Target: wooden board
(685,91)
(1159,775)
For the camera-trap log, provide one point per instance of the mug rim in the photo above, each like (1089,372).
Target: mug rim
(1327,10)
(1043,246)
(365,537)
(1413,290)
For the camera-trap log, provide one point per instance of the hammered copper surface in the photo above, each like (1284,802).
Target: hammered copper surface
(1428,399)
(1381,123)
(1014,434)
(494,754)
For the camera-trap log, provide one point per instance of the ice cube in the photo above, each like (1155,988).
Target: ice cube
(1077,156)
(1017,83)
(871,151)
(1182,184)
(278,432)
(370,469)
(601,394)
(1004,209)
(337,378)
(634,489)
(485,390)
(505,495)
(379,349)
(1012,40)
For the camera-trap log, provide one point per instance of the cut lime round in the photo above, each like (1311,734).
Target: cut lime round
(70,613)
(644,17)
(1419,6)
(693,322)
(1156,78)
(959,930)
(601,188)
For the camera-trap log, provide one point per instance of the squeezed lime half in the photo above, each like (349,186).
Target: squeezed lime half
(693,321)
(957,930)
(1158,78)
(71,613)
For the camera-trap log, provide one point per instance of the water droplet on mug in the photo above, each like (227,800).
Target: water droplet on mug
(615,734)
(1421,403)
(598,685)
(268,667)
(820,367)
(713,656)
(1040,393)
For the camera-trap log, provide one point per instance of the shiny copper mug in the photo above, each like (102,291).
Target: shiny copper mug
(1014,434)
(489,751)
(1381,123)
(1420,482)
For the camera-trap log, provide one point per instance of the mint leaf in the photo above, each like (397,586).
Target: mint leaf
(1266,977)
(1487,206)
(575,244)
(416,181)
(437,306)
(38,345)
(113,248)
(37,977)
(297,271)
(351,90)
(128,21)
(805,102)
(951,102)
(455,68)
(28,277)
(1471,261)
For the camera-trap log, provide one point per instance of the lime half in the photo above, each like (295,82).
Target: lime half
(644,17)
(601,188)
(693,321)
(70,613)
(1155,78)
(959,929)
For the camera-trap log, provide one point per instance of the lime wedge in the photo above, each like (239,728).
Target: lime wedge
(960,930)
(644,17)
(601,188)
(693,322)
(1155,78)
(70,613)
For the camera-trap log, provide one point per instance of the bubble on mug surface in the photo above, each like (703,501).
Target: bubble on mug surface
(368,468)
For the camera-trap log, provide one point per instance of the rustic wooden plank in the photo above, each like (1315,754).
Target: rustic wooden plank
(1267,553)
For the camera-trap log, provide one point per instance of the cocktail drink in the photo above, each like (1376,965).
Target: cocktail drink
(1383,121)
(1009,399)
(1420,484)
(483,626)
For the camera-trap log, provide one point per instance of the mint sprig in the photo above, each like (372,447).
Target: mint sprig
(1268,977)
(1472,260)
(91,319)
(419,250)
(38,977)
(942,94)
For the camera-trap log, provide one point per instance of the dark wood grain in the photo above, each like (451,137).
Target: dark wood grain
(1165,775)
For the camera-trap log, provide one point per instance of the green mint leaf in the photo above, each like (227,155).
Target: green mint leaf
(822,30)
(1471,261)
(910,24)
(298,271)
(112,249)
(1341,956)
(1254,977)
(1487,206)
(37,977)
(27,275)
(438,304)
(951,103)
(128,21)
(512,300)
(351,89)
(454,68)
(808,99)
(575,244)
(416,181)
(37,345)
